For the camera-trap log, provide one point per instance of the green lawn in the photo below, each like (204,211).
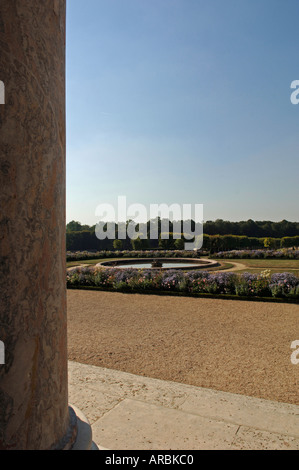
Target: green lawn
(224,266)
(71,264)
(255,266)
(267,263)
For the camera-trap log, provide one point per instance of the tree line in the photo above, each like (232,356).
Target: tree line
(219,235)
(249,228)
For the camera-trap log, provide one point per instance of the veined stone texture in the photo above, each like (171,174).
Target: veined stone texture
(33,381)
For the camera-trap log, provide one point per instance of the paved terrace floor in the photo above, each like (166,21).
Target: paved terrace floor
(130,412)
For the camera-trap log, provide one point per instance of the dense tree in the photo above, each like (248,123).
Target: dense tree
(117,244)
(74,226)
(179,244)
(139,244)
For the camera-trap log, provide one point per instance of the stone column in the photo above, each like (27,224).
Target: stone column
(34,411)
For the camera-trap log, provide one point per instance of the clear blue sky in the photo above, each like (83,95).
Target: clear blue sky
(183,101)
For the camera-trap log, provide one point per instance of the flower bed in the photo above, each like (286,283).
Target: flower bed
(85,255)
(284,285)
(284,253)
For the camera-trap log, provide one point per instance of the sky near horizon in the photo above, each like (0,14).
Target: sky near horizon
(183,101)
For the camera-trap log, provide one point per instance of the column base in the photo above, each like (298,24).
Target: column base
(84,433)
(79,433)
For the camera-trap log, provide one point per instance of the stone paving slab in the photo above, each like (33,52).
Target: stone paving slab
(129,412)
(134,425)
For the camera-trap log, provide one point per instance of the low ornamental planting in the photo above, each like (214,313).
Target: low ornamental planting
(85,255)
(279,285)
(283,253)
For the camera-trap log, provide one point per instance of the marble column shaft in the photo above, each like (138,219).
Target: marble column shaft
(34,411)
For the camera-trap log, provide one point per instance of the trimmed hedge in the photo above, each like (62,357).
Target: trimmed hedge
(87,240)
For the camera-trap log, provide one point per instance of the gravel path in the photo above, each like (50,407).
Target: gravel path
(235,346)
(236,267)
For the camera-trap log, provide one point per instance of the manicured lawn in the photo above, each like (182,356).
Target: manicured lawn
(92,262)
(268,263)
(255,266)
(224,266)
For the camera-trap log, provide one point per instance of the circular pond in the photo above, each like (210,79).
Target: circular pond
(160,263)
